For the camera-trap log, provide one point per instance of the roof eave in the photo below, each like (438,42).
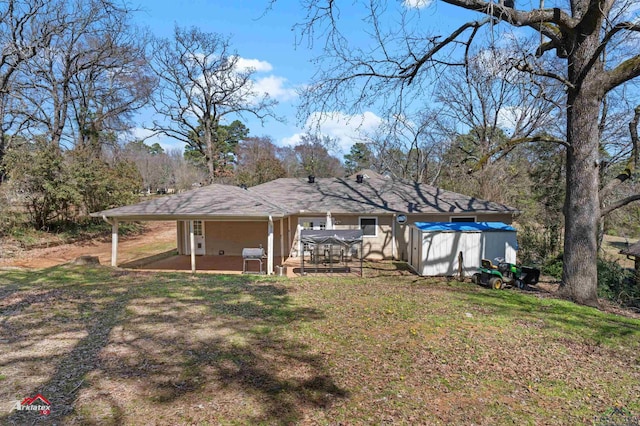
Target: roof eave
(170,217)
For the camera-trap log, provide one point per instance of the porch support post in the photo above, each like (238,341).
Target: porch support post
(270,246)
(393,237)
(282,240)
(114,239)
(192,244)
(289,236)
(114,242)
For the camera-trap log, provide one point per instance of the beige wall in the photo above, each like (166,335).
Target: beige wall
(378,247)
(233,236)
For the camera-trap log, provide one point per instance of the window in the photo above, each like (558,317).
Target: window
(197,227)
(369,226)
(316,223)
(463,219)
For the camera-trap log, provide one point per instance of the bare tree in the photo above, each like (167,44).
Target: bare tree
(408,148)
(26,27)
(258,162)
(113,82)
(185,174)
(313,154)
(90,76)
(202,83)
(578,32)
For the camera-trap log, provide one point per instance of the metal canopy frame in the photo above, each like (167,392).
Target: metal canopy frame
(345,238)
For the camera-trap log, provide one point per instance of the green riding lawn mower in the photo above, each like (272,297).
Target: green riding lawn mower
(504,274)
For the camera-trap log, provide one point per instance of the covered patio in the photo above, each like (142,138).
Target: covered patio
(214,225)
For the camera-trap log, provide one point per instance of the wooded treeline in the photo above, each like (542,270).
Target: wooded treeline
(74,75)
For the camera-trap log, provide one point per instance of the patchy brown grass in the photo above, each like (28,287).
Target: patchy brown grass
(116,347)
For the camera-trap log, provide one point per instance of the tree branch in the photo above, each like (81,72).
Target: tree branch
(526,67)
(512,143)
(411,71)
(520,18)
(618,204)
(624,72)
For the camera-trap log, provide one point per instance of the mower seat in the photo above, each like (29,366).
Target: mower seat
(487,264)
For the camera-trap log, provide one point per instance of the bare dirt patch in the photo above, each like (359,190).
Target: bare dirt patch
(157,237)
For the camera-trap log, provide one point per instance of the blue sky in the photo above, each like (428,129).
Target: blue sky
(266,38)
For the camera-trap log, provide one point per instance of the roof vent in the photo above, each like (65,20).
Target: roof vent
(312,179)
(359,178)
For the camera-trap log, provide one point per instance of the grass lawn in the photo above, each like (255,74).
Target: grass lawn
(125,347)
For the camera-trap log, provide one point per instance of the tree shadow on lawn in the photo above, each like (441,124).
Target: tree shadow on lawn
(187,349)
(583,321)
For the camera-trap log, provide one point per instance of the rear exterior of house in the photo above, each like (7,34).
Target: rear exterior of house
(226,219)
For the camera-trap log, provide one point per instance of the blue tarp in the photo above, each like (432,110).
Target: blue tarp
(463,226)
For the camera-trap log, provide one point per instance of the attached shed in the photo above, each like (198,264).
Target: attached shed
(435,246)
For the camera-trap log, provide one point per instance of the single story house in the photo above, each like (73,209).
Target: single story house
(221,220)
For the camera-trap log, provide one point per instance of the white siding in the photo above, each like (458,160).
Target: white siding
(500,244)
(435,253)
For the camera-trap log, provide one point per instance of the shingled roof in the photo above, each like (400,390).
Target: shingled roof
(376,194)
(210,201)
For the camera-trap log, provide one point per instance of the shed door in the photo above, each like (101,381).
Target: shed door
(471,249)
(415,242)
(500,244)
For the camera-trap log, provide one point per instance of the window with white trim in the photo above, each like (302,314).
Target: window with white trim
(369,226)
(315,223)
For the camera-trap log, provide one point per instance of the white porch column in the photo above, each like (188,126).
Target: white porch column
(289,236)
(114,242)
(393,237)
(114,239)
(270,247)
(192,244)
(282,240)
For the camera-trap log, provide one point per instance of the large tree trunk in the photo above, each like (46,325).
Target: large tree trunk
(582,205)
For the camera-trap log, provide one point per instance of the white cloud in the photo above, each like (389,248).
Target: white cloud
(291,140)
(275,87)
(416,4)
(346,129)
(508,117)
(257,65)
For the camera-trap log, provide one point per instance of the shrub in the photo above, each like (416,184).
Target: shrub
(553,267)
(617,284)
